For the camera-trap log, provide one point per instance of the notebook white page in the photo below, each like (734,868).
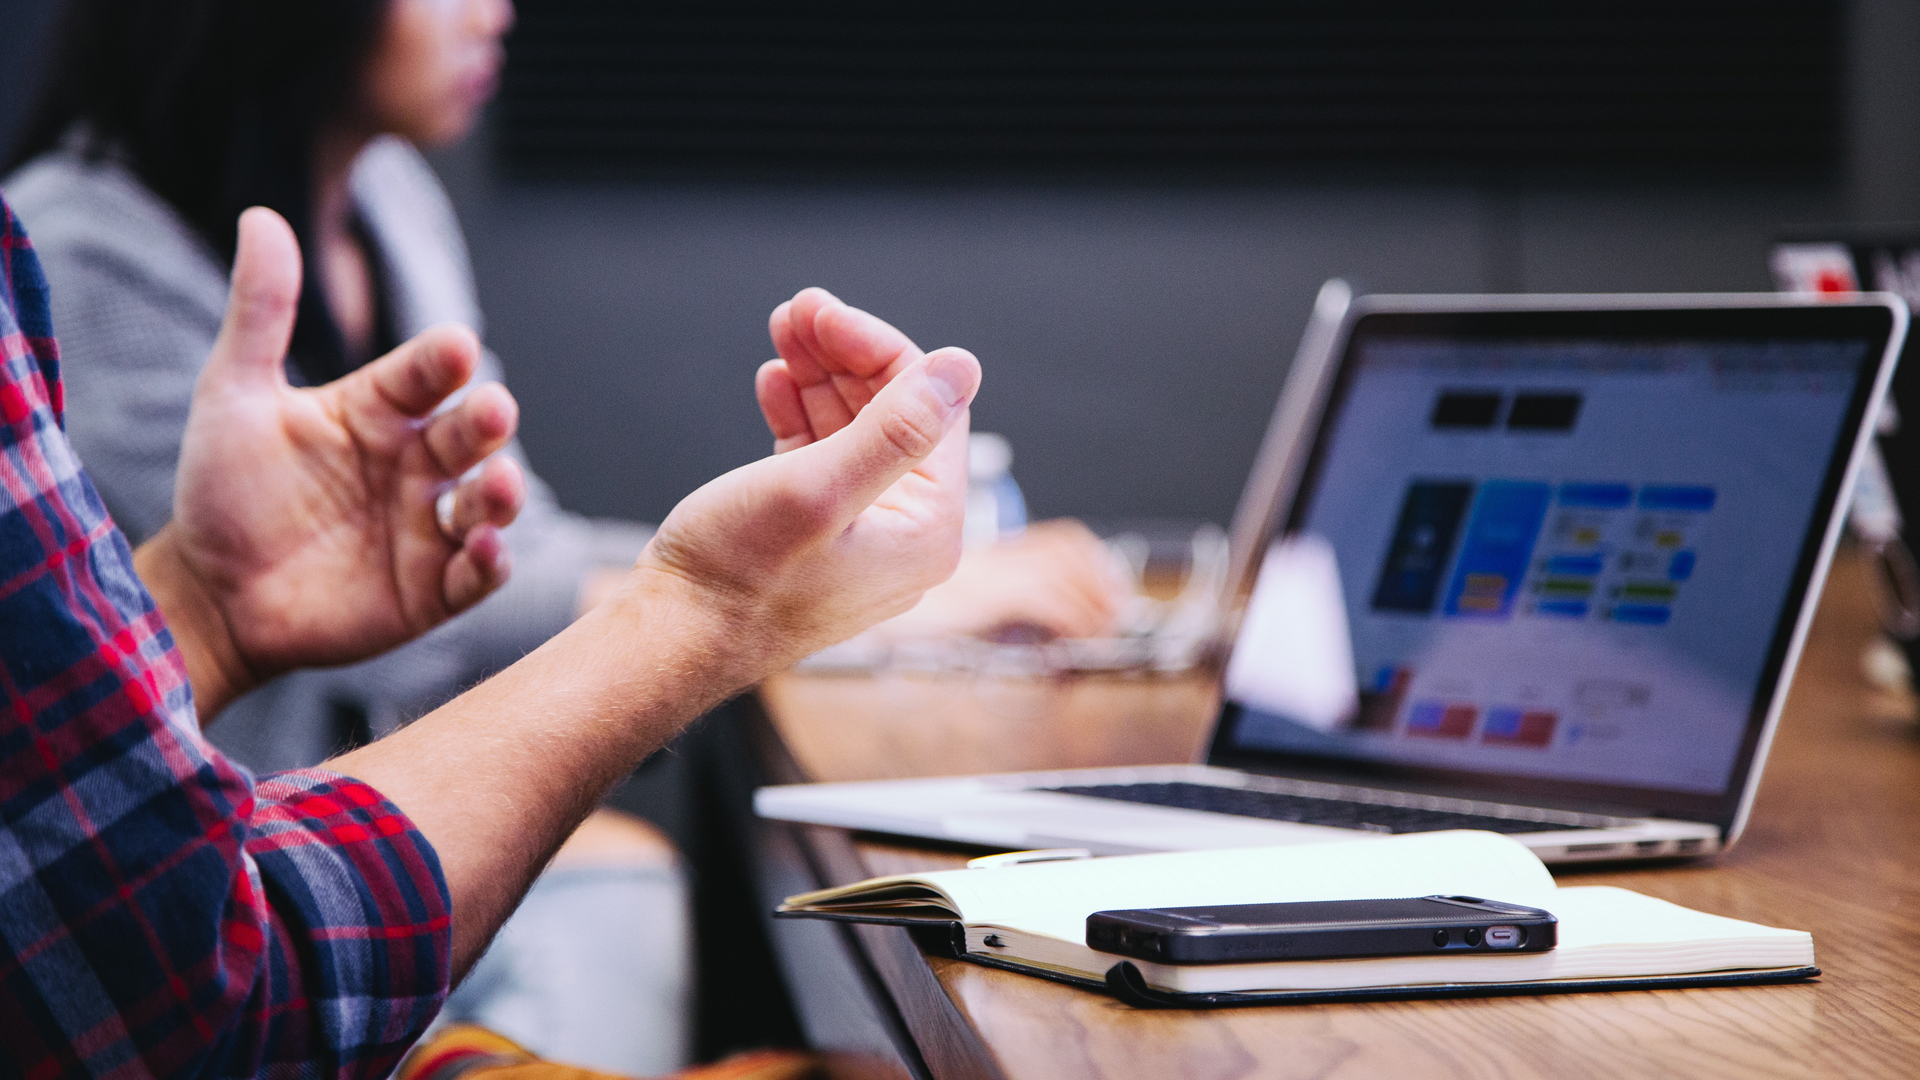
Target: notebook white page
(1037,913)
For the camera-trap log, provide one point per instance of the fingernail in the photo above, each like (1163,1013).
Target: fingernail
(951,375)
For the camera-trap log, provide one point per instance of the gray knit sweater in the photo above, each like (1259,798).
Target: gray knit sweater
(137,300)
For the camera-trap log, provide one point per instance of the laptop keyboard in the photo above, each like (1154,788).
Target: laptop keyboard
(1307,810)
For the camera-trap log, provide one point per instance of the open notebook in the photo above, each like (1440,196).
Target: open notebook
(1033,918)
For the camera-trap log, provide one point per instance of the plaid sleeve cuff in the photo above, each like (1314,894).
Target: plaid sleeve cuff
(362,942)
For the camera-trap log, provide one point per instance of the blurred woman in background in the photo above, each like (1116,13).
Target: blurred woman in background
(161,121)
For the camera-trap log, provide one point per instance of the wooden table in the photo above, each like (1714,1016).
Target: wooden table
(1833,848)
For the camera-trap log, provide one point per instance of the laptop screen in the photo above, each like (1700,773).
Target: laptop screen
(1552,561)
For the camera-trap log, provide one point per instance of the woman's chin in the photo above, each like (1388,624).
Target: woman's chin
(449,126)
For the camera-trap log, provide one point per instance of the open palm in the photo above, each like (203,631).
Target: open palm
(308,515)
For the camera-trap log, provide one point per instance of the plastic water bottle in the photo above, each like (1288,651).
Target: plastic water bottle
(995,507)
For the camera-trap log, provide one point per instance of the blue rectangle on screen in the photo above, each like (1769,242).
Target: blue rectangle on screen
(1502,723)
(1578,565)
(1681,568)
(1659,497)
(1597,496)
(1425,715)
(1498,547)
(1643,614)
(1562,609)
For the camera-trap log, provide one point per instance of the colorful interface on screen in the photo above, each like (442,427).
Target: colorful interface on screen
(1559,560)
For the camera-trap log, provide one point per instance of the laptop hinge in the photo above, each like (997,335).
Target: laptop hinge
(1441,789)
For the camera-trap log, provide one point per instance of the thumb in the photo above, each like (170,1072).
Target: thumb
(896,431)
(261,302)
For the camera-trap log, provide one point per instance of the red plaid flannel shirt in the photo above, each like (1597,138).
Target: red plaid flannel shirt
(163,913)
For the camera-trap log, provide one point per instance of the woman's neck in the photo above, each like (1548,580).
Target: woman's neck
(345,270)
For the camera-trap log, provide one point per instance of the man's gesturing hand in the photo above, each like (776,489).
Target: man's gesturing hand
(304,527)
(833,360)
(756,569)
(857,516)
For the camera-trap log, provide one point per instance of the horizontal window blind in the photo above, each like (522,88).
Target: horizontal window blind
(612,86)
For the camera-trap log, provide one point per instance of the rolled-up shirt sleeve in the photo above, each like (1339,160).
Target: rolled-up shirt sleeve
(301,930)
(162,913)
(359,961)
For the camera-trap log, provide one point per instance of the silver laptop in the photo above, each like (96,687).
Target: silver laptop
(1539,565)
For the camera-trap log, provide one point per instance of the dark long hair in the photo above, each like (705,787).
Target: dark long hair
(216,105)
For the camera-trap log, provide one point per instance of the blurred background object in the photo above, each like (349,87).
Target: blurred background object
(1125,209)
(995,506)
(1834,260)
(1159,613)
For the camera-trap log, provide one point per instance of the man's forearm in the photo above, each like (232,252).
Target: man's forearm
(756,568)
(499,777)
(215,668)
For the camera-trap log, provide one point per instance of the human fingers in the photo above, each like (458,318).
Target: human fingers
(945,472)
(791,327)
(482,565)
(849,355)
(780,403)
(261,304)
(1039,595)
(1052,614)
(1082,611)
(905,427)
(823,338)
(416,377)
(494,497)
(466,434)
(1060,531)
(1080,560)
(855,392)
(854,342)
(1074,611)
(794,337)
(827,411)
(1005,591)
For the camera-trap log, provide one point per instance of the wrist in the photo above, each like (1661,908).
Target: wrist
(706,629)
(217,670)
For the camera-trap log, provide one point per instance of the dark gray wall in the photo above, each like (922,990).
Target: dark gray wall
(1134,337)
(23,31)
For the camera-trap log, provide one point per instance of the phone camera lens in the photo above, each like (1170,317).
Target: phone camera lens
(1473,936)
(1440,939)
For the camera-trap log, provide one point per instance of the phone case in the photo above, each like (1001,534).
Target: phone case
(1322,930)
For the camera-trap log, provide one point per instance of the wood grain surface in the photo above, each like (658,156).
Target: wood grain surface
(1833,848)
(843,727)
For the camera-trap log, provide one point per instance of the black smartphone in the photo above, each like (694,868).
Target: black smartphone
(1322,930)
